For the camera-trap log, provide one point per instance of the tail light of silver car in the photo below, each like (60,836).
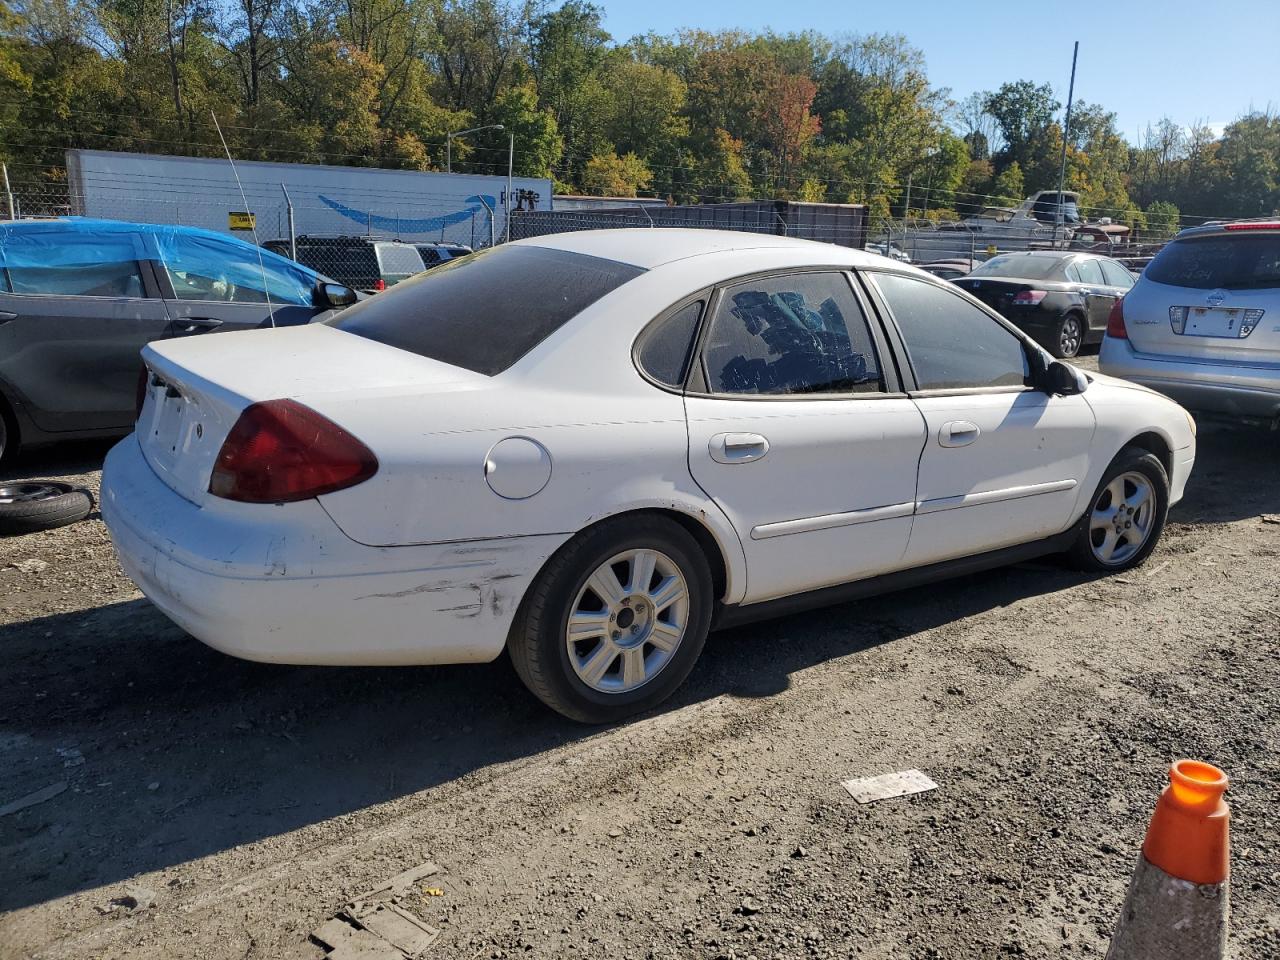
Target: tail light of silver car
(1178,318)
(1115,321)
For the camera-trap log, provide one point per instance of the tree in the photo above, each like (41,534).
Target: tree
(1162,220)
(1008,188)
(1250,158)
(1023,113)
(786,126)
(609,175)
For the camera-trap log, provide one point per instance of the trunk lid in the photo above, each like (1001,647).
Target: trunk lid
(197,388)
(999,292)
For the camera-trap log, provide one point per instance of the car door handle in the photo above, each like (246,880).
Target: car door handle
(737,447)
(194,324)
(958,433)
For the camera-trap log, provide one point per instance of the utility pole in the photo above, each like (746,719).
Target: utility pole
(1059,222)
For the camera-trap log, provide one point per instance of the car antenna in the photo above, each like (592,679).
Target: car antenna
(253,225)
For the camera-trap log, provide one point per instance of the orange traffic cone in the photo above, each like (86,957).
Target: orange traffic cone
(1178,900)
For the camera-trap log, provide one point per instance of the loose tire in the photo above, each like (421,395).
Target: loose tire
(1126,515)
(30,505)
(615,621)
(1068,337)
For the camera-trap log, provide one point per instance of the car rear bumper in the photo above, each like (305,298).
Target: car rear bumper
(1210,387)
(282,584)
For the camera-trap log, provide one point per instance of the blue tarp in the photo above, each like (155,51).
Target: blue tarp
(79,242)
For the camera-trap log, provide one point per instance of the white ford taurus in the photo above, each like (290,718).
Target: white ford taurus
(593,448)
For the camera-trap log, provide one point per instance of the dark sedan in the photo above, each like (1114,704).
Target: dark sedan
(1062,299)
(80,298)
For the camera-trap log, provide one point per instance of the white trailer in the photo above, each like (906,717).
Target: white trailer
(327,201)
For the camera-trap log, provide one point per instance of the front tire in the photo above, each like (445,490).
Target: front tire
(1126,515)
(615,621)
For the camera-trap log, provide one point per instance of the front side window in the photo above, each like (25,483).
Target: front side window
(799,334)
(951,343)
(211,268)
(1116,274)
(485,312)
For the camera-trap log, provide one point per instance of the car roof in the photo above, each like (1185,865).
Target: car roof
(1244,227)
(90,226)
(647,247)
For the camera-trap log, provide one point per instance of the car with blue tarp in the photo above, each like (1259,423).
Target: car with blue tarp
(79,298)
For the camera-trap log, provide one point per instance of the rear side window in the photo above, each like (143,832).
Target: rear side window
(665,347)
(71,264)
(485,312)
(1117,276)
(800,334)
(400,261)
(1089,271)
(951,343)
(85,280)
(1243,261)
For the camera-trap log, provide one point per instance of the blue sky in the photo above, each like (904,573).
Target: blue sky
(1208,61)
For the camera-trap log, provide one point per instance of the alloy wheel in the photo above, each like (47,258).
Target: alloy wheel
(28,492)
(1069,337)
(1122,518)
(627,621)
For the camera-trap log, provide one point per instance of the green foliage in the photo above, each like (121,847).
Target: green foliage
(609,175)
(697,115)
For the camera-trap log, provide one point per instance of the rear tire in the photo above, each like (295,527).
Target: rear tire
(615,621)
(30,505)
(1068,337)
(1126,515)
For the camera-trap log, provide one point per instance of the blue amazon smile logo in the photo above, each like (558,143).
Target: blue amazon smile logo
(411,225)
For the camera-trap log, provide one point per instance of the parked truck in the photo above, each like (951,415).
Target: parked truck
(458,208)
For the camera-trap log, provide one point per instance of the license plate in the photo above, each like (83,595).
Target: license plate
(1214,322)
(167,426)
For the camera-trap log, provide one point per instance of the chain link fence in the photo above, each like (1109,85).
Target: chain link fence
(375,243)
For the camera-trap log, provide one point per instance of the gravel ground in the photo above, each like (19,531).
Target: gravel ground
(217,808)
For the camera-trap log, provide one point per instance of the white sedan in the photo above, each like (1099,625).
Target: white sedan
(591,449)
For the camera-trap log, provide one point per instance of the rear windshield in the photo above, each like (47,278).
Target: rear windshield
(398,260)
(1241,261)
(1026,268)
(485,311)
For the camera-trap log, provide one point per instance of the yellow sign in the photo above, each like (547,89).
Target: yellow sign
(241,221)
(991,248)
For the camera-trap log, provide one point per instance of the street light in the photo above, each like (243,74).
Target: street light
(448,142)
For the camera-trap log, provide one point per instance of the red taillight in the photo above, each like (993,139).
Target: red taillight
(1115,321)
(379,285)
(280,451)
(1254,225)
(1029,298)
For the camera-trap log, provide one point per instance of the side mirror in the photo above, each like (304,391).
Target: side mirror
(334,295)
(1063,379)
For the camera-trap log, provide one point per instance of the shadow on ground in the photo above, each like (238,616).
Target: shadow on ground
(187,752)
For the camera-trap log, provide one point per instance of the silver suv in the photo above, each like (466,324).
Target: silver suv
(1202,324)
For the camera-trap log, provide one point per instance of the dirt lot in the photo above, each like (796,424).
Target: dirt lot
(216,808)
